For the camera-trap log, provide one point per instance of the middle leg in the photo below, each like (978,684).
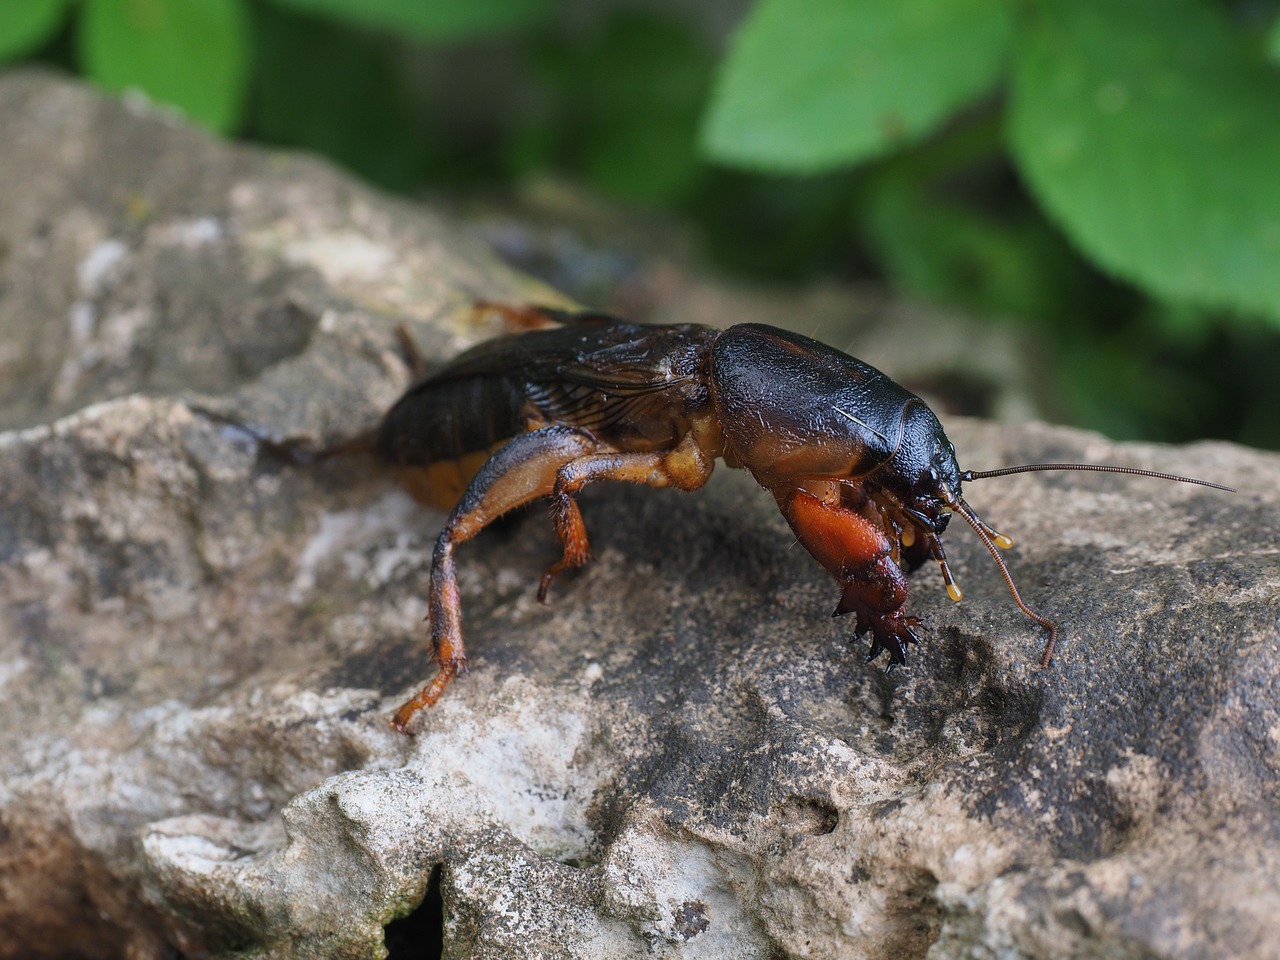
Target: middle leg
(686,467)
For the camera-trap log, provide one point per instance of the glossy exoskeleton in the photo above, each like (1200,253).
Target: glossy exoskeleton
(860,467)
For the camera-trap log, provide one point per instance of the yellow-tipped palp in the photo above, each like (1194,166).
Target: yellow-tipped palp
(953,588)
(998,538)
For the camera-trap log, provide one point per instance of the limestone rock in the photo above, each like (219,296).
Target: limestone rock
(201,638)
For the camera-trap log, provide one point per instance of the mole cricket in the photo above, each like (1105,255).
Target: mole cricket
(859,466)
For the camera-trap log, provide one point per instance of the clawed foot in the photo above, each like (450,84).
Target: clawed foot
(428,695)
(892,634)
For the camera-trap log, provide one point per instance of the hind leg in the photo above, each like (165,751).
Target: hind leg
(522,470)
(553,461)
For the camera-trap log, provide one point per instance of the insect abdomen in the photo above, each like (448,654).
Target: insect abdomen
(438,435)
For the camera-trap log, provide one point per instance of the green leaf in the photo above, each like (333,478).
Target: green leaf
(1273,42)
(431,19)
(193,54)
(26,24)
(1153,138)
(814,84)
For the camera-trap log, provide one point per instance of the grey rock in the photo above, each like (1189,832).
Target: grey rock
(201,638)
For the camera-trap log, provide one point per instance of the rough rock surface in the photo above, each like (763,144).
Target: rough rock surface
(682,756)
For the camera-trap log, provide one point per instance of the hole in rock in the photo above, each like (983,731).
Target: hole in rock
(808,815)
(420,935)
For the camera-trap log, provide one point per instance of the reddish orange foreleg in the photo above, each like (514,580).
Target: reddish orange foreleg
(859,553)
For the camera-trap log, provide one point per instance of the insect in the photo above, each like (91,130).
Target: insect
(859,466)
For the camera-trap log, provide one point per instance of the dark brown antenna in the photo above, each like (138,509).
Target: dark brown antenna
(1090,467)
(990,538)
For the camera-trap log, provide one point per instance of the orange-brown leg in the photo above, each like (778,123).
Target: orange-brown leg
(523,470)
(858,552)
(685,467)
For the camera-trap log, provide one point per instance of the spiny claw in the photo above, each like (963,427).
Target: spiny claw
(879,644)
(877,647)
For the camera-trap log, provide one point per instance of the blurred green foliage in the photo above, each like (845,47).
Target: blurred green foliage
(191,53)
(1106,172)
(429,20)
(814,84)
(1151,135)
(27,24)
